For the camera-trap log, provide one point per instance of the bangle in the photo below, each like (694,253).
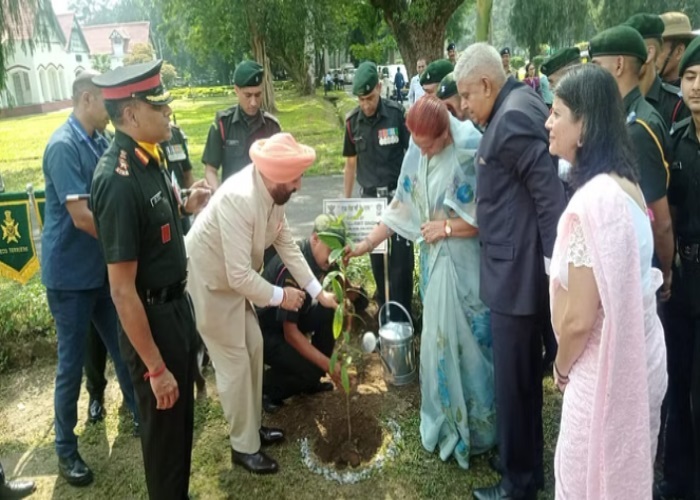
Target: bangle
(563,378)
(156,373)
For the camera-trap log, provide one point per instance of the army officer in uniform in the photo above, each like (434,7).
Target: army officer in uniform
(376,140)
(137,217)
(234,130)
(681,474)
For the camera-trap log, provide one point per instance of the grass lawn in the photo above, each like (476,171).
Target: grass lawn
(313,120)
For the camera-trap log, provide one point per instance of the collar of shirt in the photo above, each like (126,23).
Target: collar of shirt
(151,149)
(508,87)
(133,149)
(98,144)
(631,99)
(691,134)
(240,116)
(380,112)
(654,93)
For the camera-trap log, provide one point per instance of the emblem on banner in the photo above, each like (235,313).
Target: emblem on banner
(10,229)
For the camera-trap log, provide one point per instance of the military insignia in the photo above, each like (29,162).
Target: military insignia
(10,229)
(141,155)
(367,88)
(175,152)
(165,233)
(443,88)
(388,136)
(632,117)
(123,165)
(159,98)
(427,76)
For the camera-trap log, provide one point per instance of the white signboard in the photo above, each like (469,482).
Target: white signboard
(358,229)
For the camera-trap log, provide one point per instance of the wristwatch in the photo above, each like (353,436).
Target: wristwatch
(448,228)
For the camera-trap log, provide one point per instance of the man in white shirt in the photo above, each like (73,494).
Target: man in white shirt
(416,91)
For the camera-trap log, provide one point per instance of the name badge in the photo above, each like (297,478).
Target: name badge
(388,136)
(232,142)
(156,198)
(175,152)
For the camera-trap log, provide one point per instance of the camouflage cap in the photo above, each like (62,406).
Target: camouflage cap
(560,59)
(366,79)
(618,41)
(691,57)
(648,25)
(447,87)
(248,74)
(436,71)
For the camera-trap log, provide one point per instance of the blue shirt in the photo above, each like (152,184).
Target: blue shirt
(71,259)
(547,95)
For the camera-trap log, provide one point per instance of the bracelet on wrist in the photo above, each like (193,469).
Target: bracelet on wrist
(563,378)
(156,373)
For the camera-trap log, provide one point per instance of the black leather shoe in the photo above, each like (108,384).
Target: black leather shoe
(321,387)
(497,492)
(271,405)
(74,470)
(13,490)
(270,435)
(96,412)
(257,463)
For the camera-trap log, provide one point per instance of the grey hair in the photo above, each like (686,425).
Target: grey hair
(483,59)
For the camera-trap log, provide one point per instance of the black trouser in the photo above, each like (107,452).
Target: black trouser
(95,363)
(290,373)
(166,435)
(517,356)
(400,274)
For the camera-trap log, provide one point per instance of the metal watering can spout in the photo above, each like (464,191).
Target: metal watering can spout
(396,347)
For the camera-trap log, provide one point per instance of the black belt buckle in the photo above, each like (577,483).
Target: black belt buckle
(382,192)
(154,297)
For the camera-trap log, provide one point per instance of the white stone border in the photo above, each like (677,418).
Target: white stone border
(354,476)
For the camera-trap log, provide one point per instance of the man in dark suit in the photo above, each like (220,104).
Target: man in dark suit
(519,201)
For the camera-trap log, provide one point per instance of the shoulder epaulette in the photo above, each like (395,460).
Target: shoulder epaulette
(672,89)
(270,116)
(631,118)
(352,113)
(393,104)
(225,112)
(681,125)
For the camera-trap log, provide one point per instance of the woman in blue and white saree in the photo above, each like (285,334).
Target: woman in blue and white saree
(435,206)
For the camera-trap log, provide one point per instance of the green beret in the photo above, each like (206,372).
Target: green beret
(447,87)
(648,25)
(248,74)
(560,59)
(618,41)
(691,57)
(366,79)
(436,71)
(329,228)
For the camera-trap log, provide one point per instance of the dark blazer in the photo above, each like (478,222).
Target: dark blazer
(519,201)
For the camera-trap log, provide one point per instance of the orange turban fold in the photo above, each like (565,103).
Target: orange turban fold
(281,158)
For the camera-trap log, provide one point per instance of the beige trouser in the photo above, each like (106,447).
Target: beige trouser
(239,373)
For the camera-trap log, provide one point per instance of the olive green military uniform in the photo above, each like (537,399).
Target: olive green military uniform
(650,140)
(379,142)
(178,162)
(137,219)
(233,131)
(232,134)
(683,311)
(668,101)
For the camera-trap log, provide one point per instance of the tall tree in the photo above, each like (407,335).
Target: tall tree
(25,23)
(418,26)
(483,20)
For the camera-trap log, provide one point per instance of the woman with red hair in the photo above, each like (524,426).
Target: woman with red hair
(435,206)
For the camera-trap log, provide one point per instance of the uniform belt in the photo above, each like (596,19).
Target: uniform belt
(689,251)
(379,192)
(156,296)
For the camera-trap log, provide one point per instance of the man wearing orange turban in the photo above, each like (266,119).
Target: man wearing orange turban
(225,248)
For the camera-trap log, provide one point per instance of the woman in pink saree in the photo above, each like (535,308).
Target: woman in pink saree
(611,362)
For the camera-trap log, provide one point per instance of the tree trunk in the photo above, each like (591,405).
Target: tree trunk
(483,20)
(418,36)
(260,55)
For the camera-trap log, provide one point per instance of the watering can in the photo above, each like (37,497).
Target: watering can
(397,348)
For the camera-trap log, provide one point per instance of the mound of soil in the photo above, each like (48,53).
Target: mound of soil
(332,445)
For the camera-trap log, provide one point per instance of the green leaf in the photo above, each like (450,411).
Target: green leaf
(358,214)
(345,379)
(336,254)
(338,291)
(331,276)
(334,360)
(338,322)
(330,239)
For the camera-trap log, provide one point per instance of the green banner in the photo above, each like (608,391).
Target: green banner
(18,259)
(40,206)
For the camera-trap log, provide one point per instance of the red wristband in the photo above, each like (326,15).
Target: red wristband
(156,373)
